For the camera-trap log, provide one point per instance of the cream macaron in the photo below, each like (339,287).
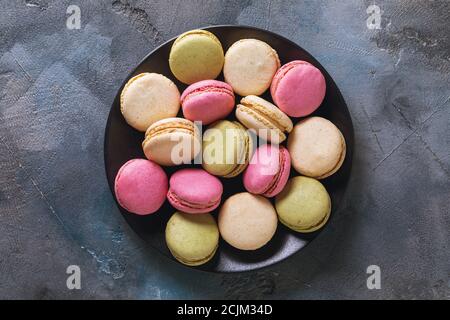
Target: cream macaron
(247,221)
(147,98)
(317,147)
(269,122)
(172,141)
(250,65)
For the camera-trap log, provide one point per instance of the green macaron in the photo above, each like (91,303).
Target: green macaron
(196,55)
(304,205)
(192,238)
(227,148)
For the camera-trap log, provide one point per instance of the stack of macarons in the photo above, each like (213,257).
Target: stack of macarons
(261,142)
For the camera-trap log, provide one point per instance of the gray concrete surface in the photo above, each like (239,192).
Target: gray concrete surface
(56,88)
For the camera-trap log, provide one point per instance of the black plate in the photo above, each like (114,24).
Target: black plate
(123,143)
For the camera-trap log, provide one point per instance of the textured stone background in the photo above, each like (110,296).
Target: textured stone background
(56,88)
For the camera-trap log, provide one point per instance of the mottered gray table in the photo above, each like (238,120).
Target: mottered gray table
(59,75)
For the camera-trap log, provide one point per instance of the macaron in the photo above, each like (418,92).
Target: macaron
(147,98)
(207,101)
(172,141)
(317,147)
(194,191)
(298,88)
(250,65)
(196,55)
(141,186)
(227,148)
(247,221)
(192,239)
(268,170)
(304,205)
(269,122)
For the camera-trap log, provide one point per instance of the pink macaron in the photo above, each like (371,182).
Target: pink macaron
(141,186)
(194,191)
(268,170)
(207,101)
(298,88)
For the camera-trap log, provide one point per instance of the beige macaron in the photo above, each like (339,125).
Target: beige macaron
(247,221)
(172,141)
(269,122)
(250,65)
(147,98)
(317,147)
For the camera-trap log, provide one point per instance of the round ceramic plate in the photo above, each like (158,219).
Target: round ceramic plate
(123,143)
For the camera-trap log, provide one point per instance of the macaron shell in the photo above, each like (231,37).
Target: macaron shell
(299,91)
(207,101)
(171,142)
(147,98)
(192,239)
(247,221)
(317,147)
(140,186)
(282,72)
(196,55)
(340,161)
(304,205)
(194,191)
(268,170)
(250,65)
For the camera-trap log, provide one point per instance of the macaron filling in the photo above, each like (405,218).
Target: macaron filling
(311,228)
(261,118)
(206,89)
(244,156)
(195,262)
(169,128)
(175,199)
(262,112)
(338,164)
(259,114)
(276,179)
